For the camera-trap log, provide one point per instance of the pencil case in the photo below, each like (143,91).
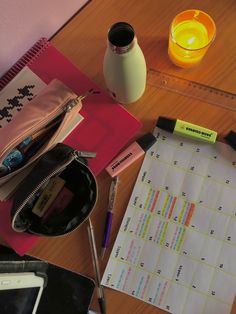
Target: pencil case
(38,211)
(46,117)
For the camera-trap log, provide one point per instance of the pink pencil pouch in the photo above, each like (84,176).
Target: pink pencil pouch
(40,125)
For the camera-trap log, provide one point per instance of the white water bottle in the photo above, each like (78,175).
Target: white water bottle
(124,66)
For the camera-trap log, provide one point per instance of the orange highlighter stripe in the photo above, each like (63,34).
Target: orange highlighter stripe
(172,207)
(154,201)
(190,214)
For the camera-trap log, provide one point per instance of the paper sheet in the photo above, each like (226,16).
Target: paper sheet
(17,93)
(176,247)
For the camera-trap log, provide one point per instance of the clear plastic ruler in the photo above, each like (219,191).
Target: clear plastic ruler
(192,89)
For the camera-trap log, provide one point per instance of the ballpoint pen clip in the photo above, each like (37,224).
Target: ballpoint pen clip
(112,193)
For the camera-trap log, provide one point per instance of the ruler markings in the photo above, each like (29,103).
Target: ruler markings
(192,89)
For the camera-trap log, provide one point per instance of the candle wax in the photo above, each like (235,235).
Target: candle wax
(189,36)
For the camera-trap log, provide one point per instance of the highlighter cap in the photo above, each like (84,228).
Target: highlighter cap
(146,141)
(231,139)
(166,124)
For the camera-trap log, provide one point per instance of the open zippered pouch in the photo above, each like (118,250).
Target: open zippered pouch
(59,191)
(57,195)
(41,123)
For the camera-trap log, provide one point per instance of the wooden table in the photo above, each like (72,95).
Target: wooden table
(83,41)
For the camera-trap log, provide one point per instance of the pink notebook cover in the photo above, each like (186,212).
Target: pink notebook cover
(106,128)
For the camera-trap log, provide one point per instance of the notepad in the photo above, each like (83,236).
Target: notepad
(176,247)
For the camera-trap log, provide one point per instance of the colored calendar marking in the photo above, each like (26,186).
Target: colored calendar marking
(176,247)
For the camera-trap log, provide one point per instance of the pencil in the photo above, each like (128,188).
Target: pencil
(101,297)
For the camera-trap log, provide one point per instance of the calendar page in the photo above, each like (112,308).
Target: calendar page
(176,247)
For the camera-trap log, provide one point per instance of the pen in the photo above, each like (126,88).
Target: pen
(27,148)
(101,297)
(112,197)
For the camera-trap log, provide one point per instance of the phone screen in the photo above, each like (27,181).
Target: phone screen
(18,301)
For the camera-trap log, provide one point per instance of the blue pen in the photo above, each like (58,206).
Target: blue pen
(112,197)
(13,159)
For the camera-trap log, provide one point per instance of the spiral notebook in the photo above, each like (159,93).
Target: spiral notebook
(105,129)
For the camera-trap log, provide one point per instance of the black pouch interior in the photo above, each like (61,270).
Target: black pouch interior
(60,161)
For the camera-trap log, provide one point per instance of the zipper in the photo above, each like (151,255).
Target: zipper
(67,107)
(73,102)
(20,138)
(75,155)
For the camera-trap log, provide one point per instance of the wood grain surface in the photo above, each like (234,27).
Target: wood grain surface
(83,41)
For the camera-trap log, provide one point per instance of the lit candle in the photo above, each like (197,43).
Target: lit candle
(191,33)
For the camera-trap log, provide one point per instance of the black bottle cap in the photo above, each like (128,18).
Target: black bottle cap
(166,124)
(146,141)
(231,139)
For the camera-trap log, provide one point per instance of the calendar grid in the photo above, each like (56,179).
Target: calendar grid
(178,229)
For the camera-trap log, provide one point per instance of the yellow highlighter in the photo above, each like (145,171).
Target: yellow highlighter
(48,196)
(187,129)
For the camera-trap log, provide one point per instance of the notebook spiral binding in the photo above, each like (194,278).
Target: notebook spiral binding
(26,59)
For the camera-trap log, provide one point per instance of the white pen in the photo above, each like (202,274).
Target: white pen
(101,297)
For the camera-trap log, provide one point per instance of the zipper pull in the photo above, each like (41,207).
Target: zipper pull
(84,154)
(88,93)
(73,102)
